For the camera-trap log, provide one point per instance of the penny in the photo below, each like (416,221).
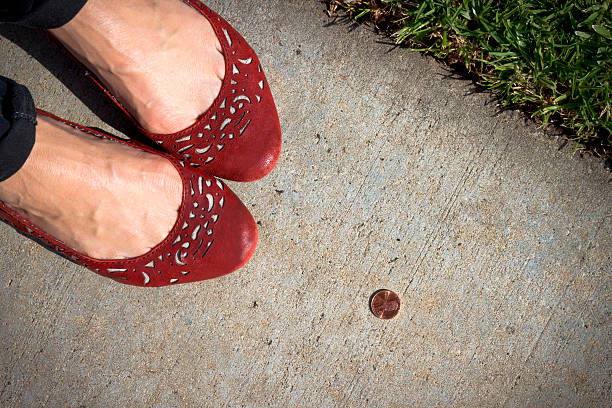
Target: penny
(385,304)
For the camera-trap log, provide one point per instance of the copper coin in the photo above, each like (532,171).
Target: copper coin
(385,304)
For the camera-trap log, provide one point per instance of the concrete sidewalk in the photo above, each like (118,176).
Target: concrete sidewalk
(394,175)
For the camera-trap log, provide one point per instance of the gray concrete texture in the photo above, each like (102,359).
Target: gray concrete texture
(395,175)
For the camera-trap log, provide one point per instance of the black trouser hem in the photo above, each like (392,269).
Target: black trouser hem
(17,126)
(40,13)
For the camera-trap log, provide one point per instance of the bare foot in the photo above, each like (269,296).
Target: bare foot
(160,58)
(101,198)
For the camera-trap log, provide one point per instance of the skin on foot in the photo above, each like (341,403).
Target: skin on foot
(101,198)
(160,58)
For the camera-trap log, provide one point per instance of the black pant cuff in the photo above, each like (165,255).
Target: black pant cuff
(44,13)
(17,126)
(22,137)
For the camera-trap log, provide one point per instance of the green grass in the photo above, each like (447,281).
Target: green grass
(551,58)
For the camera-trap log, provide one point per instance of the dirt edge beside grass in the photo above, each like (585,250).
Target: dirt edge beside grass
(555,64)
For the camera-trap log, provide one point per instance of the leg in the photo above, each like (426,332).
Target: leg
(159,57)
(101,198)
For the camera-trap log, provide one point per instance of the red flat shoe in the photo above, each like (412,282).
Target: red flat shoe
(214,233)
(239,136)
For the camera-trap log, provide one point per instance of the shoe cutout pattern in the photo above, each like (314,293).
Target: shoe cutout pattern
(239,137)
(214,233)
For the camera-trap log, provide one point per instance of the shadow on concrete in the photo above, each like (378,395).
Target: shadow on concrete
(457,72)
(37,45)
